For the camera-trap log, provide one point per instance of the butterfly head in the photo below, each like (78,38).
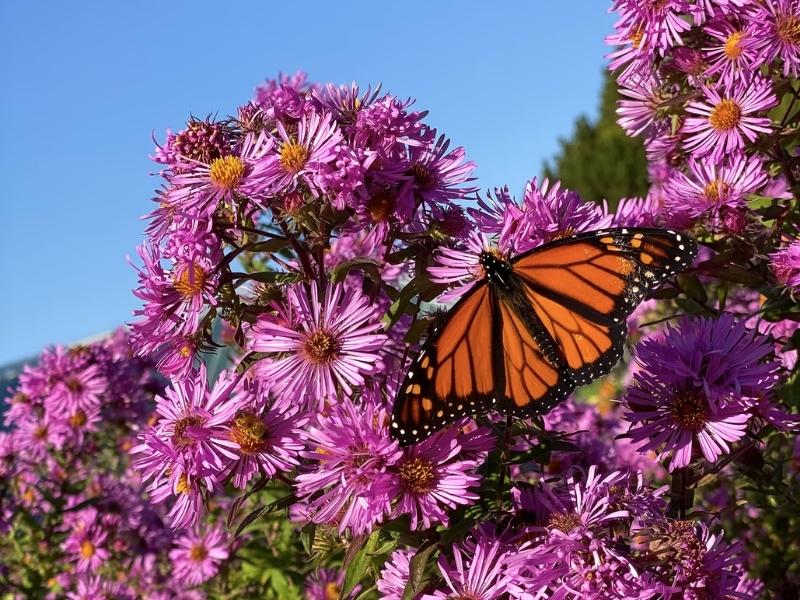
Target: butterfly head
(496,267)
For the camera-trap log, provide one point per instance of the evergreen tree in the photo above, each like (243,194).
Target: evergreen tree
(599,160)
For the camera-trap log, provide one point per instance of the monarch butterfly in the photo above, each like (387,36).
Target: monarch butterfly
(535,326)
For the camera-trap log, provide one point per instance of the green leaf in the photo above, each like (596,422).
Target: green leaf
(273,277)
(279,504)
(357,564)
(736,275)
(366,265)
(271,245)
(691,286)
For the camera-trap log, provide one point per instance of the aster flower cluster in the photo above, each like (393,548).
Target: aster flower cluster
(309,234)
(72,516)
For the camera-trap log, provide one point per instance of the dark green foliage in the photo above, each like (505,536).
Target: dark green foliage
(600,161)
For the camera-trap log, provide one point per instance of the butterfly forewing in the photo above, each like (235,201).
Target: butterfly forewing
(582,289)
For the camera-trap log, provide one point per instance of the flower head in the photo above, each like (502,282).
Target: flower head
(198,554)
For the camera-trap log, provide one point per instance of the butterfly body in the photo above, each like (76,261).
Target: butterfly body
(535,326)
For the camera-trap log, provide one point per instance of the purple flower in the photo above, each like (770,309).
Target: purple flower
(325,584)
(478,573)
(197,555)
(461,266)
(786,265)
(778,23)
(395,575)
(711,187)
(696,388)
(637,212)
(268,437)
(326,344)
(726,117)
(247,171)
(432,477)
(639,108)
(735,51)
(348,482)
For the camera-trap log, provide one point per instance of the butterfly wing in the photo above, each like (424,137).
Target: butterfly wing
(532,382)
(582,289)
(454,373)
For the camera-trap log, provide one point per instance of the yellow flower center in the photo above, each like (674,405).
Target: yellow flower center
(179,437)
(788,27)
(636,38)
(40,433)
(73,384)
(689,409)
(183,487)
(565,522)
(733,48)
(87,549)
(715,190)
(249,431)
(185,351)
(418,475)
(725,116)
(380,206)
(293,156)
(78,419)
(226,172)
(332,591)
(189,280)
(198,553)
(322,347)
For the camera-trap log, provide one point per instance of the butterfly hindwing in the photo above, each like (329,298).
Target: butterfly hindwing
(453,374)
(583,288)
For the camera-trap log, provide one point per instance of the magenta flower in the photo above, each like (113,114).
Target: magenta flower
(778,23)
(326,584)
(696,388)
(267,435)
(433,477)
(735,52)
(710,187)
(727,117)
(326,344)
(461,266)
(639,108)
(637,212)
(395,575)
(786,265)
(301,155)
(247,171)
(348,482)
(85,543)
(197,555)
(478,574)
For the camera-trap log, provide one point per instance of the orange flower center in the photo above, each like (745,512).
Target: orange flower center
(198,553)
(322,347)
(179,437)
(733,48)
(183,487)
(715,190)
(87,549)
(422,176)
(190,280)
(725,116)
(332,591)
(788,29)
(293,156)
(636,38)
(249,431)
(226,172)
(565,522)
(418,475)
(689,409)
(78,419)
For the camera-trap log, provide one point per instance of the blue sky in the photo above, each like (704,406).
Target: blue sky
(86,83)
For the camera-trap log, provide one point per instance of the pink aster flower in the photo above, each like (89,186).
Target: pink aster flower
(348,480)
(433,477)
(326,344)
(461,266)
(637,212)
(640,104)
(197,555)
(246,171)
(478,573)
(85,543)
(735,51)
(325,584)
(696,389)
(726,117)
(779,32)
(268,437)
(395,575)
(712,186)
(301,155)
(786,265)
